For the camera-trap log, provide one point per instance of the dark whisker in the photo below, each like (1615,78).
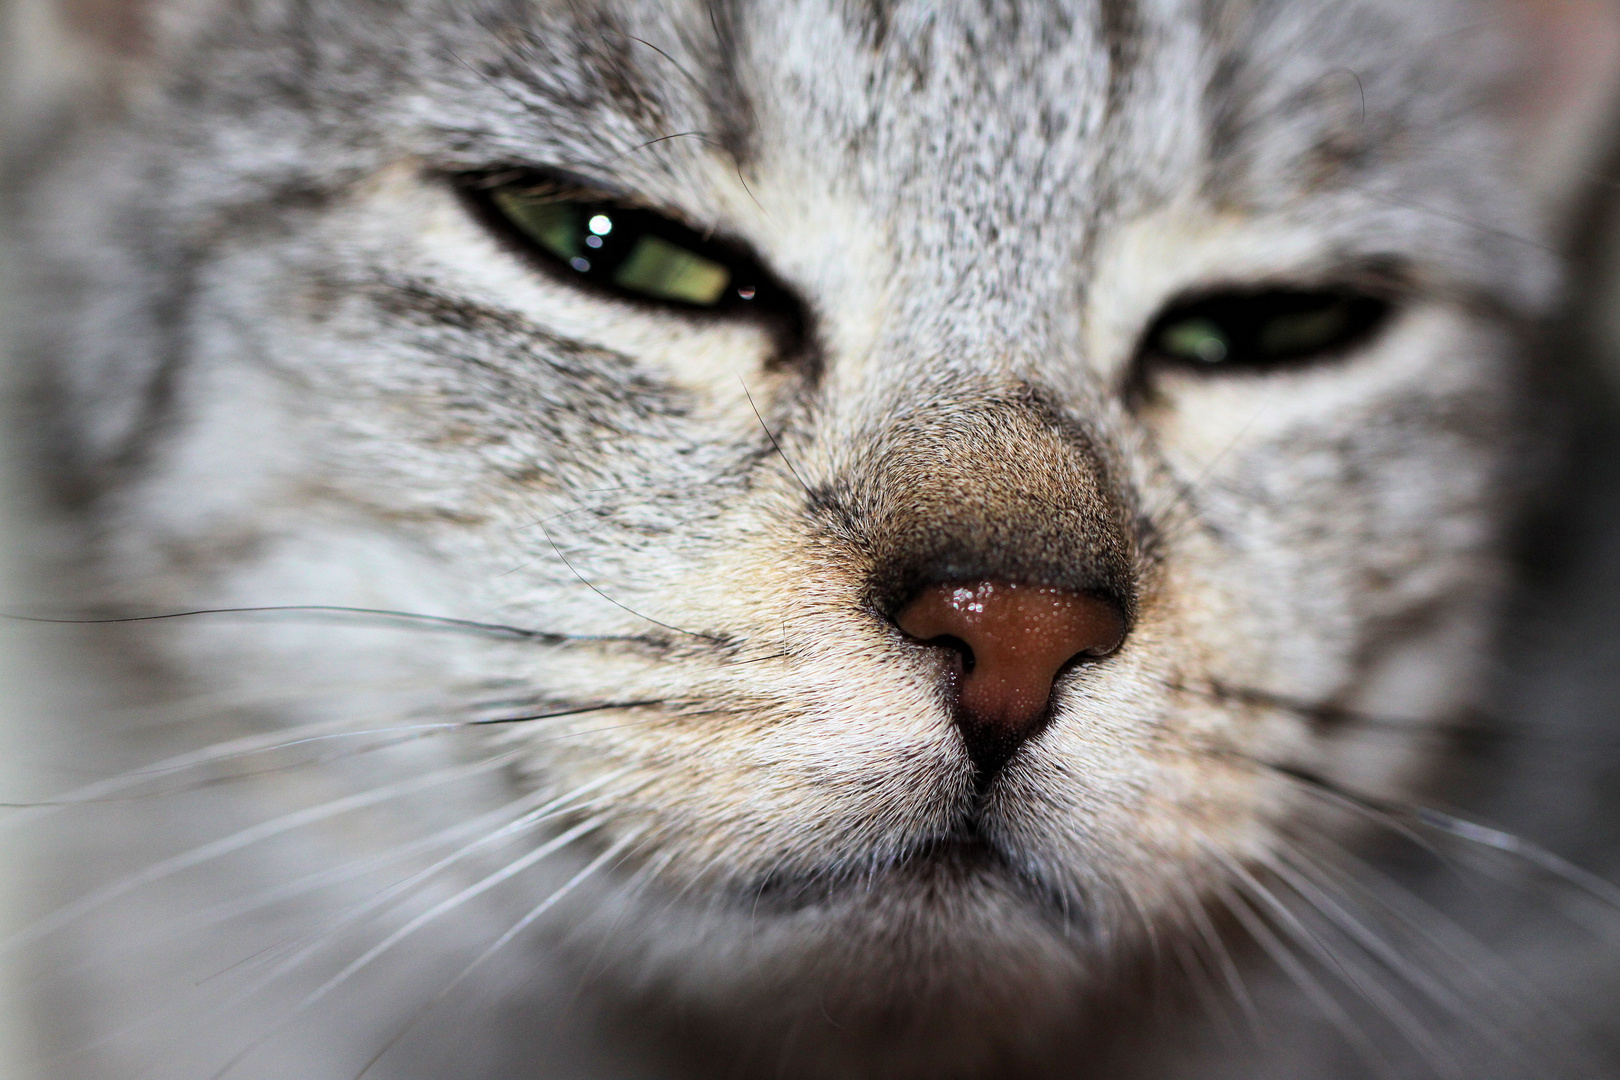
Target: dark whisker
(676,64)
(771,435)
(384,615)
(579,711)
(704,135)
(761,659)
(589,585)
(1455,219)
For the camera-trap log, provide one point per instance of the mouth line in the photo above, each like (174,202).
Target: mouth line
(933,871)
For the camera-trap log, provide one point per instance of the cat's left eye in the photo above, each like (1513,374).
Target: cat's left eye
(1265,329)
(599,242)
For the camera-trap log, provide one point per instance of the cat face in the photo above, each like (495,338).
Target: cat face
(1200,316)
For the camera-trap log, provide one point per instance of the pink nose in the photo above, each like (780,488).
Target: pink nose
(1011,641)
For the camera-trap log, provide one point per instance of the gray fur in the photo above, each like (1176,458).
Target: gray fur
(275,361)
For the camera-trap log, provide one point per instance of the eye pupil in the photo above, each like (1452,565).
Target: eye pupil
(1301,332)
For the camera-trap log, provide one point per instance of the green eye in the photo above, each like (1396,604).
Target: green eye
(662,270)
(1266,329)
(1196,339)
(627,249)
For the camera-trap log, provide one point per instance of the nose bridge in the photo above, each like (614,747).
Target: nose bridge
(999,486)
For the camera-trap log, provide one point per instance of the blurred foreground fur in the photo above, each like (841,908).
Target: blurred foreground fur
(500,669)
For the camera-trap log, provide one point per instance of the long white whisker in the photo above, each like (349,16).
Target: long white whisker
(306,945)
(237,749)
(1353,974)
(1222,957)
(612,852)
(1296,972)
(432,914)
(1496,987)
(223,913)
(219,914)
(208,755)
(246,837)
(1598,888)
(1363,935)
(531,819)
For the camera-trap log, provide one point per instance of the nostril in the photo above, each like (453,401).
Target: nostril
(1014,640)
(962,651)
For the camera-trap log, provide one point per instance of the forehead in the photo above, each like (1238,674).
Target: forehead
(1032,86)
(972,117)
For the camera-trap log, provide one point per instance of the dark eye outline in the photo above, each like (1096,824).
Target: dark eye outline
(1238,321)
(752,292)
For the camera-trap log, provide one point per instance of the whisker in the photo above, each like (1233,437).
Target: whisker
(530,819)
(220,914)
(388,616)
(1471,723)
(1457,219)
(242,839)
(1300,879)
(761,659)
(579,711)
(1599,888)
(432,914)
(591,586)
(1182,510)
(517,928)
(777,446)
(1353,974)
(1297,973)
(305,946)
(97,793)
(1198,971)
(701,135)
(1492,981)
(216,781)
(1222,956)
(1380,950)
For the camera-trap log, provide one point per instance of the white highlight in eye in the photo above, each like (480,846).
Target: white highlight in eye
(600,224)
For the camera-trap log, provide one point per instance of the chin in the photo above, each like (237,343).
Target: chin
(945,961)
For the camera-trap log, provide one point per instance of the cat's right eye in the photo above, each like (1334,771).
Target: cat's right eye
(599,242)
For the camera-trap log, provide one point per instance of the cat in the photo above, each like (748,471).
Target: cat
(813,538)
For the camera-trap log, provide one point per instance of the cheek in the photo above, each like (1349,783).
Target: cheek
(1317,504)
